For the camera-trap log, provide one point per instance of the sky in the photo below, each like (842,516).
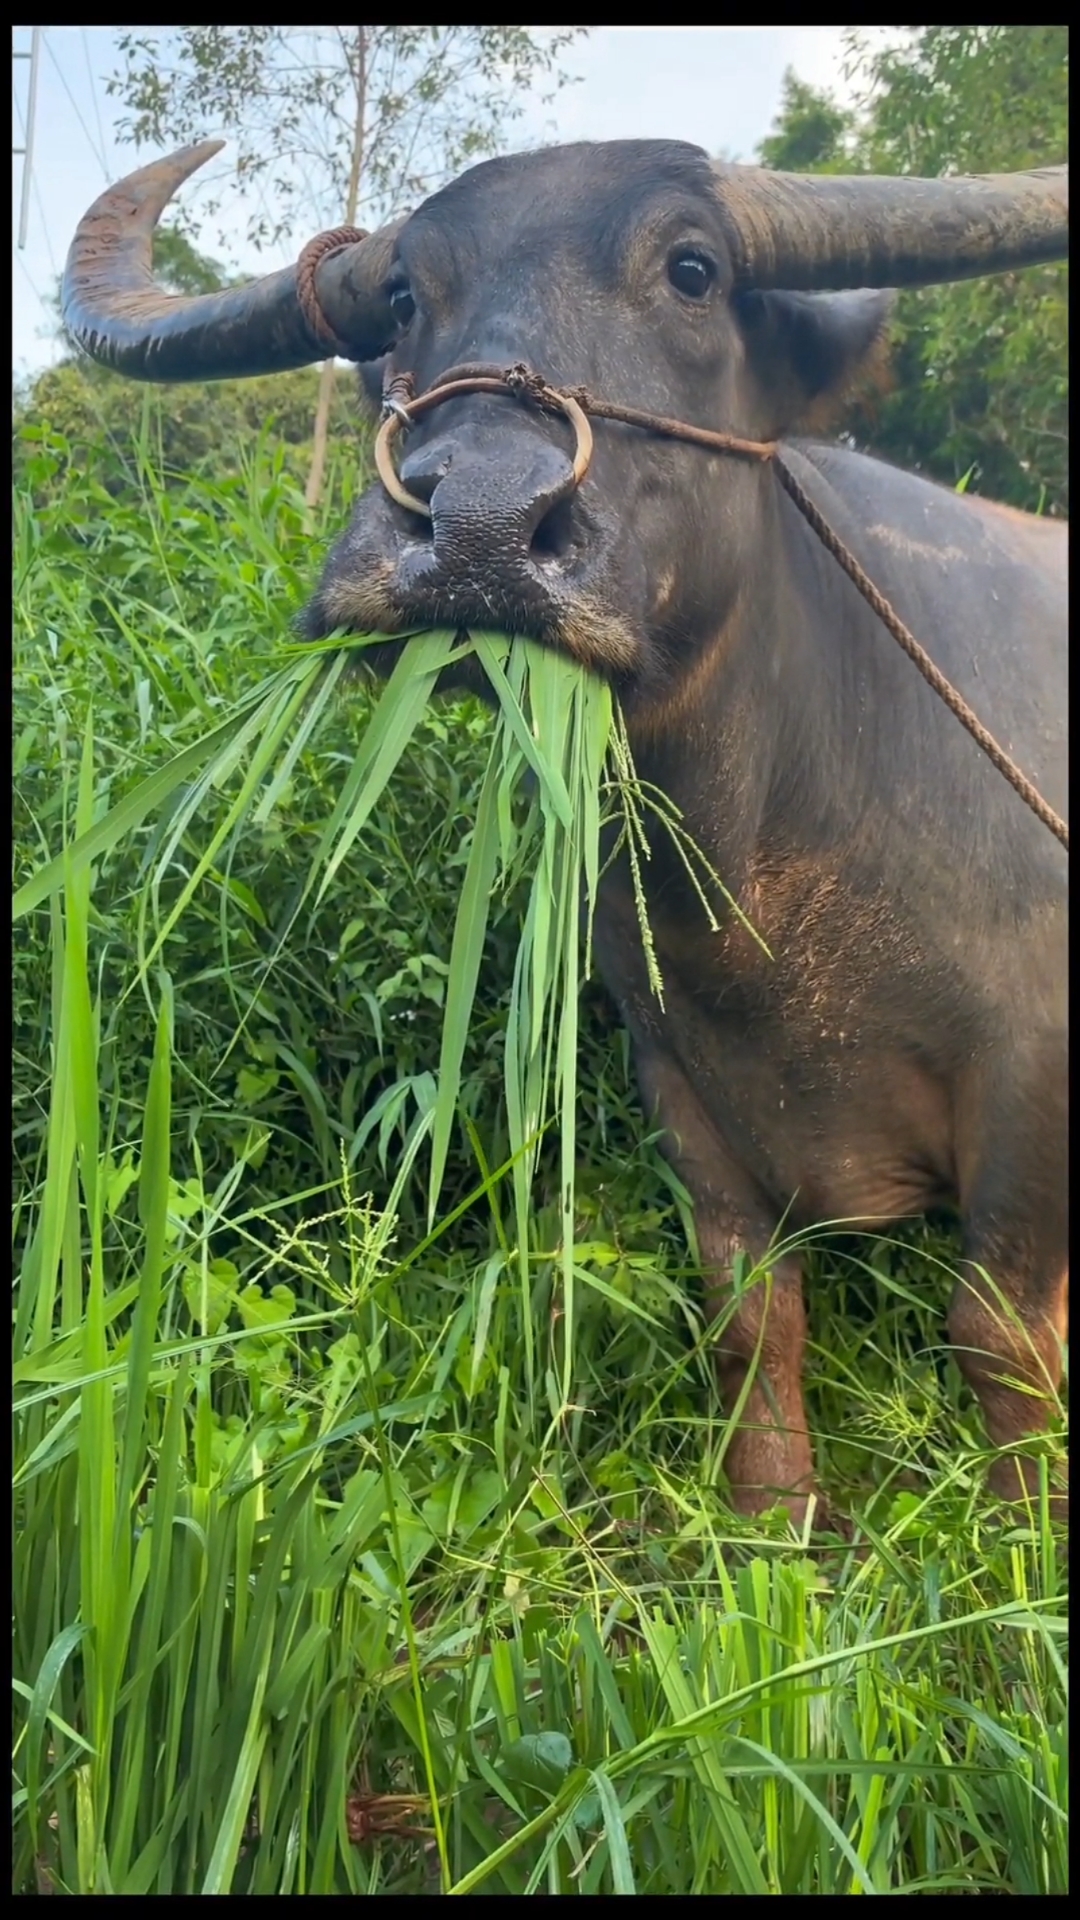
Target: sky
(717,86)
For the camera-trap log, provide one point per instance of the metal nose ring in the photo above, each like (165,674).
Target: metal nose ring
(396,417)
(398,414)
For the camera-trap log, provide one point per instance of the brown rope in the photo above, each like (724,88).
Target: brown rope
(677,429)
(311,258)
(931,674)
(402,405)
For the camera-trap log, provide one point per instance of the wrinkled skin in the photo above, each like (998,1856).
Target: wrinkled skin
(905,1047)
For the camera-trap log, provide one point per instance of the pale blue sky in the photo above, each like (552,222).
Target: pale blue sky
(717,86)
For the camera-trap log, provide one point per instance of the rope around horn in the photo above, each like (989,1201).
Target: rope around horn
(311,258)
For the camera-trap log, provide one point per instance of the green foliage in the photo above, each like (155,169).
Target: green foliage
(946,94)
(980,369)
(811,132)
(316,1586)
(76,418)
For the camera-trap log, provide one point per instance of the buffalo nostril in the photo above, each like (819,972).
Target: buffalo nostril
(419,525)
(489,511)
(553,536)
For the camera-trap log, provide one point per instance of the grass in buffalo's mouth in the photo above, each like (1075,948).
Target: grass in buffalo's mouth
(553,720)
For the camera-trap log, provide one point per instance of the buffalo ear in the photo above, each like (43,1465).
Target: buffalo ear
(811,352)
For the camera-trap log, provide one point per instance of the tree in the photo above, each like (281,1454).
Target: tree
(203,427)
(980,369)
(329,119)
(992,354)
(181,268)
(811,133)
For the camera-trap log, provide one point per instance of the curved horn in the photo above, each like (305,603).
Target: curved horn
(115,311)
(823,232)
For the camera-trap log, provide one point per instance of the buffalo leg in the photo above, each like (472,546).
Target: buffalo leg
(760,1344)
(1008,1341)
(1009,1315)
(761,1335)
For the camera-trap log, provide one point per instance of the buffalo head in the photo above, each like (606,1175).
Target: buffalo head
(730,297)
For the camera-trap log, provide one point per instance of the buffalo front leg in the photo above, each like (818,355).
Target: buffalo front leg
(1008,1321)
(1008,1341)
(760,1321)
(760,1343)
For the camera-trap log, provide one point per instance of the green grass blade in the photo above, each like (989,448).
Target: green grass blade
(622,1866)
(154,1174)
(403,701)
(547,771)
(466,953)
(146,798)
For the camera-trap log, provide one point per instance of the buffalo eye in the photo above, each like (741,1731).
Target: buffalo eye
(691,273)
(402,306)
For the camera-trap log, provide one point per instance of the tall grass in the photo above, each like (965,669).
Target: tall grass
(337,1567)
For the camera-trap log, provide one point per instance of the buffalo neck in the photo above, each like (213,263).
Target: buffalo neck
(750,737)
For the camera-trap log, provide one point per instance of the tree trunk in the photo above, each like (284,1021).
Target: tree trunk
(313,490)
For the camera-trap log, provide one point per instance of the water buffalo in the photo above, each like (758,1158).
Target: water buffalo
(906,1044)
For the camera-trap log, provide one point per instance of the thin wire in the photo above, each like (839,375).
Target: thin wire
(93,93)
(34,288)
(43,303)
(99,154)
(44,227)
(49,312)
